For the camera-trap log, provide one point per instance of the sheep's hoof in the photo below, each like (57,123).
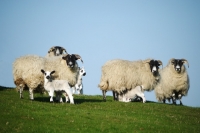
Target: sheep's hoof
(51,101)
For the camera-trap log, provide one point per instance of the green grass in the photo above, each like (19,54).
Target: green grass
(91,115)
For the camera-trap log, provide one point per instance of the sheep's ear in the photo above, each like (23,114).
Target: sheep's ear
(185,61)
(160,63)
(42,71)
(172,61)
(64,57)
(78,57)
(52,72)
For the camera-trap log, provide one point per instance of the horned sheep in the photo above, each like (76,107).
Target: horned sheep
(27,70)
(119,75)
(174,81)
(56,51)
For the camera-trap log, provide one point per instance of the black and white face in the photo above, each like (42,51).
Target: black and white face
(71,59)
(82,71)
(57,50)
(47,74)
(154,66)
(177,64)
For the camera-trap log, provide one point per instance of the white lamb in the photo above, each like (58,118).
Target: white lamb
(79,85)
(51,85)
(129,95)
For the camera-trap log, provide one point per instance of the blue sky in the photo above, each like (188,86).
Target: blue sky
(100,31)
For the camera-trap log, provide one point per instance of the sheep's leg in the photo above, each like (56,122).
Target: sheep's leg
(174,98)
(73,90)
(70,96)
(21,91)
(104,95)
(164,100)
(81,89)
(141,95)
(115,96)
(31,94)
(179,97)
(51,95)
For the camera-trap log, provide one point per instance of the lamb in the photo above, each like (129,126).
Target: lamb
(119,75)
(56,51)
(51,85)
(174,81)
(79,85)
(26,71)
(129,95)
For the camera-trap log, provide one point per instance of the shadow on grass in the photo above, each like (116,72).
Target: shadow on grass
(2,88)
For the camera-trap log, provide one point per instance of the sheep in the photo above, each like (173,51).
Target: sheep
(129,95)
(174,82)
(119,75)
(51,85)
(26,71)
(56,51)
(79,85)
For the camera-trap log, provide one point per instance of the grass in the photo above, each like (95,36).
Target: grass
(91,115)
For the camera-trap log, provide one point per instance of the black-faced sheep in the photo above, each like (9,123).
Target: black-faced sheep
(119,75)
(27,70)
(56,51)
(174,82)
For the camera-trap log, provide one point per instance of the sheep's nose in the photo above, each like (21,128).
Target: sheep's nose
(47,77)
(154,69)
(84,74)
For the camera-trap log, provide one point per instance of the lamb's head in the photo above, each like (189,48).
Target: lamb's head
(57,50)
(154,66)
(71,59)
(47,74)
(82,71)
(178,64)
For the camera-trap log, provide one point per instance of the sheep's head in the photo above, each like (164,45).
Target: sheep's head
(178,63)
(154,66)
(82,71)
(47,74)
(57,50)
(71,59)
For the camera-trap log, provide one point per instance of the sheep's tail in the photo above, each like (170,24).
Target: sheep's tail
(103,85)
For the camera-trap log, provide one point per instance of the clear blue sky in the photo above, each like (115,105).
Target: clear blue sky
(100,31)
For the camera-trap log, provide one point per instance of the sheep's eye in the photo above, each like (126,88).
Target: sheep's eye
(81,70)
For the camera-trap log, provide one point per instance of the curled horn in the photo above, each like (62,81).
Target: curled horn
(51,49)
(185,61)
(160,63)
(78,57)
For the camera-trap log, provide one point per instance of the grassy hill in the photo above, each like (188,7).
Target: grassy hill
(91,115)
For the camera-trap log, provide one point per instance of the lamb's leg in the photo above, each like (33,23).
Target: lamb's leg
(81,89)
(73,90)
(104,95)
(51,95)
(115,96)
(31,94)
(70,96)
(142,96)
